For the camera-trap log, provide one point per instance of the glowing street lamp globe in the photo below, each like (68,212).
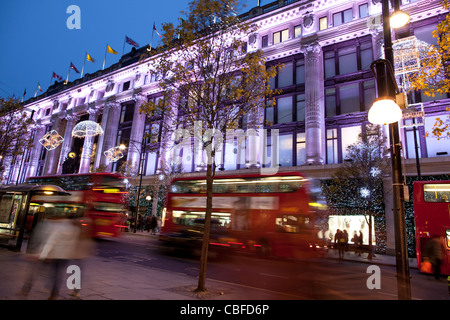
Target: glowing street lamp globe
(384,111)
(398,19)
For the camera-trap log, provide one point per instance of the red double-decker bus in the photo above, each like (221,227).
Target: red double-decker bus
(101,196)
(266,214)
(432,218)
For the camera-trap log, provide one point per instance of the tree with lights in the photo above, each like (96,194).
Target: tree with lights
(211,83)
(357,187)
(433,76)
(15,131)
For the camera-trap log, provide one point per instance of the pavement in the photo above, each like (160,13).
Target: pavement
(104,279)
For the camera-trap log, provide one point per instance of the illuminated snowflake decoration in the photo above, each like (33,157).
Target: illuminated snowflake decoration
(51,140)
(87,128)
(364,192)
(114,154)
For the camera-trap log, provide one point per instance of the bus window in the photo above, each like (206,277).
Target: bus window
(447,232)
(436,192)
(293,223)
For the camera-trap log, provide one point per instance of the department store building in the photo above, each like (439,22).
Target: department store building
(327,87)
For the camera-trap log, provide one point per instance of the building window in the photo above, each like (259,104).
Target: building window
(363,10)
(410,144)
(297,31)
(349,98)
(300,72)
(330,102)
(348,61)
(323,23)
(342,17)
(270,112)
(126,86)
(285,150)
(286,75)
(301,151)
(369,93)
(301,107)
(332,146)
(284,109)
(349,136)
(265,41)
(330,64)
(348,57)
(127,113)
(280,36)
(435,147)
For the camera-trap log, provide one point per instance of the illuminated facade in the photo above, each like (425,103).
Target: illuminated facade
(327,48)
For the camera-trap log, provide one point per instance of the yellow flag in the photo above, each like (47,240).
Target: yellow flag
(111,50)
(89,58)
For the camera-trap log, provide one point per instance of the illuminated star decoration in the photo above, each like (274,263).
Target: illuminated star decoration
(51,140)
(87,128)
(114,154)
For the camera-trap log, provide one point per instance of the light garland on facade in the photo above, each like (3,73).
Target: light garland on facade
(87,128)
(51,140)
(114,154)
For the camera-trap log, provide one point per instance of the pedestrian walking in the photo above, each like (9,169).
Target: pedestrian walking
(435,253)
(59,248)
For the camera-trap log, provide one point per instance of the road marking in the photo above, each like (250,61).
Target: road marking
(273,275)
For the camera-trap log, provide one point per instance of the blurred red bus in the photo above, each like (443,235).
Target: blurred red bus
(101,196)
(432,217)
(266,214)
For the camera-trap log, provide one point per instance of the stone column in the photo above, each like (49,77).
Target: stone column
(51,161)
(88,145)
(110,134)
(137,133)
(99,153)
(167,142)
(67,143)
(36,150)
(315,103)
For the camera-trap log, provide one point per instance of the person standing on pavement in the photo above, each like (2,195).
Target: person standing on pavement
(339,241)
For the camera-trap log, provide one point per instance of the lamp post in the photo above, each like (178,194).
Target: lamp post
(387,88)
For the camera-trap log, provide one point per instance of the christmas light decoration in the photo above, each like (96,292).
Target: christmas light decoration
(51,140)
(87,128)
(114,154)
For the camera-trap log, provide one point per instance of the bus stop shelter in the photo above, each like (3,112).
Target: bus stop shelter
(15,203)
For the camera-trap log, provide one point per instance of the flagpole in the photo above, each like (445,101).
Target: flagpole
(123,49)
(51,78)
(67,79)
(153,31)
(84,61)
(104,60)
(37,88)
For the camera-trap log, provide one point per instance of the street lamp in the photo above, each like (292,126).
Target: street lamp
(386,86)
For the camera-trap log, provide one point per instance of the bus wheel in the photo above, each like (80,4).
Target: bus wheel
(264,249)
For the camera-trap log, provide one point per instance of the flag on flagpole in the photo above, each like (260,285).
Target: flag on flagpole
(38,88)
(154,28)
(73,67)
(56,76)
(111,50)
(131,42)
(89,58)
